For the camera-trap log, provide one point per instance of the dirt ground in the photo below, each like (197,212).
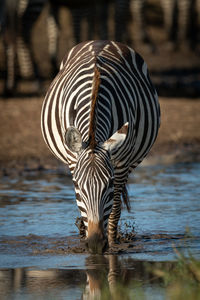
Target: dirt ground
(22,145)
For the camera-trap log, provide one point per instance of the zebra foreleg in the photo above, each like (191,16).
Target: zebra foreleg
(114,217)
(120,194)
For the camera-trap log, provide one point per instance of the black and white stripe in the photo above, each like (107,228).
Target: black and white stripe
(101,139)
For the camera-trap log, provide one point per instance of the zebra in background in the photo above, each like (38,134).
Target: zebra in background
(198,22)
(121,20)
(139,10)
(17,20)
(94,13)
(181,21)
(101,117)
(19,17)
(132,12)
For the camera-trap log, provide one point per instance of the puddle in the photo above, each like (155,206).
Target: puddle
(41,254)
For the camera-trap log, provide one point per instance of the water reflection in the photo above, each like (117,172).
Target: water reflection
(108,276)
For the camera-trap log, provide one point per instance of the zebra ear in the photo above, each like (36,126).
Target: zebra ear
(73,139)
(117,139)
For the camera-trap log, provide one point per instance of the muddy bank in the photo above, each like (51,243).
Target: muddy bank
(23,149)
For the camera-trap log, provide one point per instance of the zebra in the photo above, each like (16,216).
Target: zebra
(121,17)
(101,117)
(134,11)
(95,13)
(138,10)
(181,18)
(19,17)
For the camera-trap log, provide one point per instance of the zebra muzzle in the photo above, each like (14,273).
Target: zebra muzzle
(96,244)
(96,241)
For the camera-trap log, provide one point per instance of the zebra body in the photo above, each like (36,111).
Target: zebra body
(101,117)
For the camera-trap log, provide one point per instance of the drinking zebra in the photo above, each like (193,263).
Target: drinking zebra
(101,117)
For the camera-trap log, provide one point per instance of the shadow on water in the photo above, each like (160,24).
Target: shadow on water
(41,254)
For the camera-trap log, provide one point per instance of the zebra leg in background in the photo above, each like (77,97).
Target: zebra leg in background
(121,21)
(77,16)
(169,7)
(102,8)
(24,59)
(23,53)
(138,16)
(184,9)
(9,28)
(196,12)
(2,15)
(10,78)
(28,20)
(52,31)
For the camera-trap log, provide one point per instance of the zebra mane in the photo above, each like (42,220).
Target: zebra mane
(95,90)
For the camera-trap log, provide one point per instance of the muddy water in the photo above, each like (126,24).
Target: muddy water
(42,256)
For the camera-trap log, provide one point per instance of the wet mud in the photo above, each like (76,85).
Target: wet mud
(133,243)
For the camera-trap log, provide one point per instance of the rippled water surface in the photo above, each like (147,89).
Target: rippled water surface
(38,211)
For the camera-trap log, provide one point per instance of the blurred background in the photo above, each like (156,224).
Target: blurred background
(36,34)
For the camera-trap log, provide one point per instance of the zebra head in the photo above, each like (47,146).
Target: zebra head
(93,179)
